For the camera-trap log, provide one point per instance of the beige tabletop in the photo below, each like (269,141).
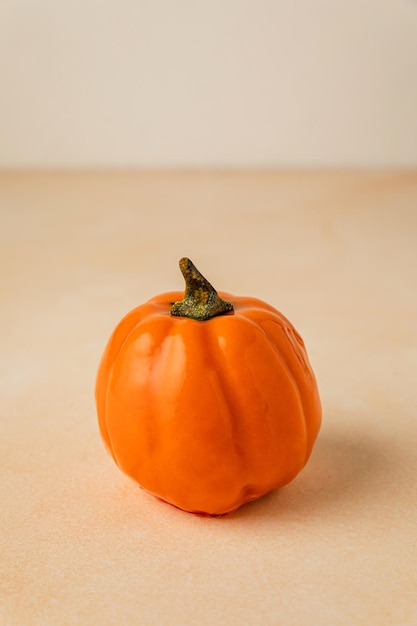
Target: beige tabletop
(81,543)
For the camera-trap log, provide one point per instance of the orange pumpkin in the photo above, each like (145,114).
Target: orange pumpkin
(210,402)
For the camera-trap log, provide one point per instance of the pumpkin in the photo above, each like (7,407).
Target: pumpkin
(207,402)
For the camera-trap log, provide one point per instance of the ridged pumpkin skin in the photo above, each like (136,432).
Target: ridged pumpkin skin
(207,415)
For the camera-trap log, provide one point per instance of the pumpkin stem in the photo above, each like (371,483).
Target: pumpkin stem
(201,300)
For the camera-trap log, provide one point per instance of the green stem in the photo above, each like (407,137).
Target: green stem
(201,300)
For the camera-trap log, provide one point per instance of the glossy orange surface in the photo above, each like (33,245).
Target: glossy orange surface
(207,415)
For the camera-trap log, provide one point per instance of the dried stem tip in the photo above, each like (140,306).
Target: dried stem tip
(201,301)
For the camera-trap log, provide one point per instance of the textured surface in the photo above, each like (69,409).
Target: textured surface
(81,543)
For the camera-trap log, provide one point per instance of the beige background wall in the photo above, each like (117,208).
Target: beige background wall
(149,83)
